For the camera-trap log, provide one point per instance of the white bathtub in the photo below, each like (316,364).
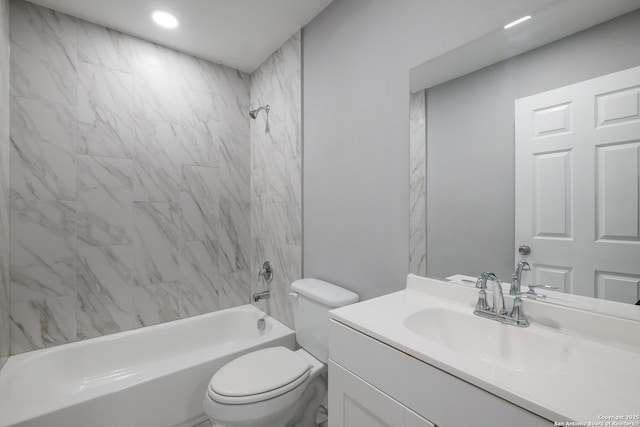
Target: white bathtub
(149,377)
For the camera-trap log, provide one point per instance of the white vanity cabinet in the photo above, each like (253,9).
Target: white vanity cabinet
(354,402)
(373,384)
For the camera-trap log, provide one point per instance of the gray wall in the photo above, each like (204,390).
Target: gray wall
(356,60)
(4,181)
(470,134)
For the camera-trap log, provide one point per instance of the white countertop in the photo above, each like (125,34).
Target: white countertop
(600,376)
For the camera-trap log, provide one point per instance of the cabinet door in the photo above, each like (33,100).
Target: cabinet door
(411,419)
(355,403)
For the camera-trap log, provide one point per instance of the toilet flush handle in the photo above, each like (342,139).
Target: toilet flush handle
(293,295)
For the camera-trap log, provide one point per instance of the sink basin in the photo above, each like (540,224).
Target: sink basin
(515,348)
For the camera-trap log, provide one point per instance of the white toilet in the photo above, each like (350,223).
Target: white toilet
(278,387)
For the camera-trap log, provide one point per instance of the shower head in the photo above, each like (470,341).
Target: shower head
(254,113)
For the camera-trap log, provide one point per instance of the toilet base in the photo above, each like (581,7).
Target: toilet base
(309,403)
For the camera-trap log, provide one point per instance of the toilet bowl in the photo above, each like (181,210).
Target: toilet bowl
(266,388)
(278,387)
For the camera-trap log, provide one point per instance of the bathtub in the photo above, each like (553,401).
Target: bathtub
(149,377)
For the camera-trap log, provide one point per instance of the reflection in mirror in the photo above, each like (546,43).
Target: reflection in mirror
(417,191)
(577,153)
(470,162)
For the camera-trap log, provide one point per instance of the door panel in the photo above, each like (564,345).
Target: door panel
(552,194)
(617,176)
(557,275)
(552,121)
(617,287)
(618,107)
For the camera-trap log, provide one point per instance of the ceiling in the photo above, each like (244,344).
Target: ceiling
(238,33)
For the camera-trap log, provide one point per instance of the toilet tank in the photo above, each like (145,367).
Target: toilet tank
(312,300)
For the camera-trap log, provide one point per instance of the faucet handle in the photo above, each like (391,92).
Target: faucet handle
(266,272)
(482,304)
(517,313)
(533,294)
(532,286)
(481,283)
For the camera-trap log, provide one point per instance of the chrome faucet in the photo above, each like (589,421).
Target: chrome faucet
(516,277)
(516,282)
(516,317)
(498,298)
(261,295)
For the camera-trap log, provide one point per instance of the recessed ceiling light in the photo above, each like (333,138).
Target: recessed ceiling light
(164,19)
(516,22)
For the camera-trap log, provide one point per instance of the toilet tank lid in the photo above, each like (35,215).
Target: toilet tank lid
(324,292)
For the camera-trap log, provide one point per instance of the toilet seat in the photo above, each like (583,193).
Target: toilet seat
(258,376)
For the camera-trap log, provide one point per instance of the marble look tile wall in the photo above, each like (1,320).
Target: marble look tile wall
(4,181)
(417,185)
(276,176)
(129,181)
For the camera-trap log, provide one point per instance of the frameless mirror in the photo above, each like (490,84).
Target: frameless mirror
(464,196)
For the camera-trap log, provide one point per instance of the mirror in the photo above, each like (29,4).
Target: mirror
(463,185)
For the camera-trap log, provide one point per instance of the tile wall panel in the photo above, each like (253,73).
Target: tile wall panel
(130,180)
(5,340)
(417,183)
(105,111)
(105,201)
(104,283)
(43,162)
(276,186)
(43,237)
(156,242)
(43,54)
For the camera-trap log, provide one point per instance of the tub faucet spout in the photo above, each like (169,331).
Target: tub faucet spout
(261,295)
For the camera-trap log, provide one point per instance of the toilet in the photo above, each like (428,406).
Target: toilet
(279,387)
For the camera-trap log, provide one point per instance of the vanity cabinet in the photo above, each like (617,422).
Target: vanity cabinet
(374,384)
(354,402)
